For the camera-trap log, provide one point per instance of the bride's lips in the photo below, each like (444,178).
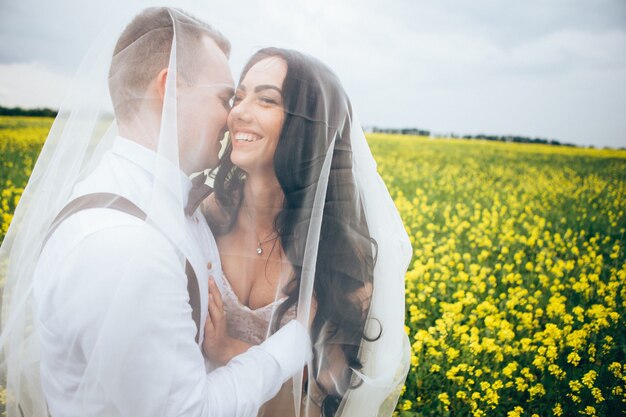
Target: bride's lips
(240,136)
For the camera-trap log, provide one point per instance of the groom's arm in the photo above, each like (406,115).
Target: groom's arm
(138,335)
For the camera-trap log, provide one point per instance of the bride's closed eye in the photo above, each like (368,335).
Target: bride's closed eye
(267,100)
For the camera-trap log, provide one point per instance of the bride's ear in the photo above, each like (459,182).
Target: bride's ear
(161,79)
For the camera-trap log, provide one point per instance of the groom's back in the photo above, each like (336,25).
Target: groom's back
(76,283)
(100,281)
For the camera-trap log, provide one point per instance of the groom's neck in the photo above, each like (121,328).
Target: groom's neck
(140,135)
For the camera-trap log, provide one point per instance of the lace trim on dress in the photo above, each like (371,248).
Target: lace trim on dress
(247,324)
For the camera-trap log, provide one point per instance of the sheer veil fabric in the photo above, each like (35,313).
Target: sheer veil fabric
(341,235)
(383,351)
(111,113)
(386,361)
(339,228)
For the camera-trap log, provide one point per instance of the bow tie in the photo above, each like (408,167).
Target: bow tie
(199,191)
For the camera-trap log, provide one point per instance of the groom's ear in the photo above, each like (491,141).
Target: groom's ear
(161,79)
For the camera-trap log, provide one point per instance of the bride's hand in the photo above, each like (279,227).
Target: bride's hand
(218,346)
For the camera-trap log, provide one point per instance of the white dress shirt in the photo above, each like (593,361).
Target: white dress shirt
(113,313)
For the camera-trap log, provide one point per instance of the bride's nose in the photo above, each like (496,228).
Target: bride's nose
(241,112)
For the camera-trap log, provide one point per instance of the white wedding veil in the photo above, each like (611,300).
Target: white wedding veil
(150,101)
(157,88)
(343,238)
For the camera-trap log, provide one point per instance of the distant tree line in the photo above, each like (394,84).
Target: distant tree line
(520,139)
(18,111)
(407,131)
(503,138)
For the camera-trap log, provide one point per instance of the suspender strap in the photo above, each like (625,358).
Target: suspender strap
(117,202)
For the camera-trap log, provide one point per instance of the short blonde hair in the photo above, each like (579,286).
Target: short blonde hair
(133,67)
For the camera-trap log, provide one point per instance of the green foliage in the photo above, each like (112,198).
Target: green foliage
(18,111)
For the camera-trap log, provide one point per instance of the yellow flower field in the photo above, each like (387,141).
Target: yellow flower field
(515,293)
(21,139)
(515,296)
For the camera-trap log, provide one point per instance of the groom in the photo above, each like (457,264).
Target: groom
(120,333)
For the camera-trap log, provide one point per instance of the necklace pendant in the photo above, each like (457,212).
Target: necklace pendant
(259,250)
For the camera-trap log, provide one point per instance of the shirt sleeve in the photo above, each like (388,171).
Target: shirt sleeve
(118,309)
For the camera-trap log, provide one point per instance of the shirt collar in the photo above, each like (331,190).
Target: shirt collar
(146,159)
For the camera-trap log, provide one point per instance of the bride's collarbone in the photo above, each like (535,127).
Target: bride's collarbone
(254,278)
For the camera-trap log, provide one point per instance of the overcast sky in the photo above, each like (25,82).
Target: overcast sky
(554,69)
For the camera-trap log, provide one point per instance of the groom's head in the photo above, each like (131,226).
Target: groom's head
(138,74)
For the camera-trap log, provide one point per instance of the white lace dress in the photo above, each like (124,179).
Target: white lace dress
(252,326)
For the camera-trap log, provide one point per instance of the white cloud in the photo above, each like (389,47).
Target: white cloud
(31,85)
(554,69)
(567,50)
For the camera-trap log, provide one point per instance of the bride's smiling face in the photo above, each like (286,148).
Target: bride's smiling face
(257,116)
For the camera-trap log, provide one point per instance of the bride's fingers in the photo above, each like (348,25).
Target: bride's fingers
(215,292)
(209,328)
(215,312)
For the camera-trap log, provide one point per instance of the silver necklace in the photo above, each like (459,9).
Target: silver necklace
(259,248)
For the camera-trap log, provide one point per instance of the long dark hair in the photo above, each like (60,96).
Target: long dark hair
(317,110)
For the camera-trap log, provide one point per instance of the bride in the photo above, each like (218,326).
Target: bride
(306,229)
